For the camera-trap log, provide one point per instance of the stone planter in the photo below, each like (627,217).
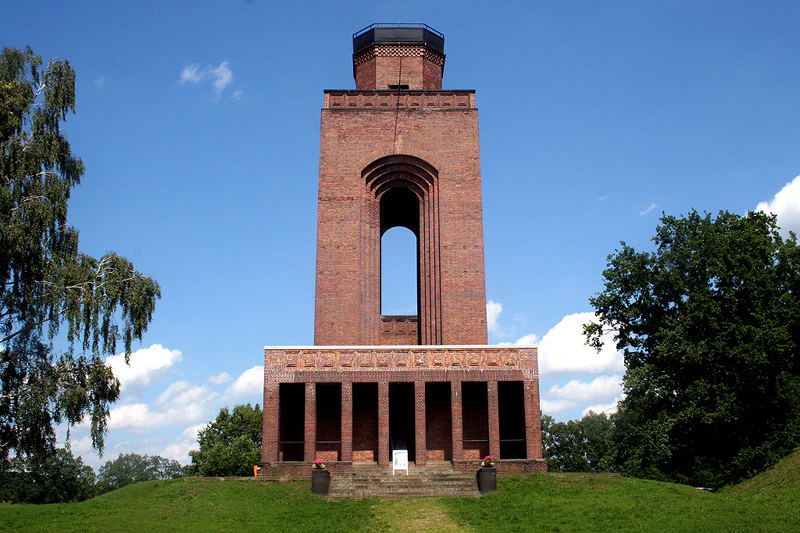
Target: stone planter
(487,479)
(320,481)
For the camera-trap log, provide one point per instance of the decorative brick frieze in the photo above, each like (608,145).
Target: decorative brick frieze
(398,50)
(283,364)
(393,100)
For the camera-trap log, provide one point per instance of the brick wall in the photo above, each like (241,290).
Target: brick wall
(382,65)
(444,140)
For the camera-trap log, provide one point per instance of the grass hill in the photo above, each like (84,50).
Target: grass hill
(556,502)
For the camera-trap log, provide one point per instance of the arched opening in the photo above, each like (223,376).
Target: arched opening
(399,223)
(399,272)
(405,195)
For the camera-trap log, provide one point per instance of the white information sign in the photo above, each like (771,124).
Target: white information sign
(400,461)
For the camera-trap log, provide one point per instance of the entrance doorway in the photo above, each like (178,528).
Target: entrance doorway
(438,421)
(365,422)
(401,419)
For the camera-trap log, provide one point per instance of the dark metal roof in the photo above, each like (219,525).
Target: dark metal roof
(398,33)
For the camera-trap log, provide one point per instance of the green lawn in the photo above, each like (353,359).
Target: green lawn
(768,502)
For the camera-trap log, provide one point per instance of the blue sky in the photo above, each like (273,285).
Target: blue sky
(198,123)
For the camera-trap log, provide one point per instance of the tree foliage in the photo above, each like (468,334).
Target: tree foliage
(131,468)
(231,444)
(55,477)
(709,324)
(45,282)
(578,445)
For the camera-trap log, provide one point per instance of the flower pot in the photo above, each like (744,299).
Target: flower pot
(487,479)
(320,481)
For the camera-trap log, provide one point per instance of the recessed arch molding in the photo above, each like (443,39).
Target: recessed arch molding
(403,190)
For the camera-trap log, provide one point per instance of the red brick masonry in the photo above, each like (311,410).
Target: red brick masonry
(384,366)
(398,151)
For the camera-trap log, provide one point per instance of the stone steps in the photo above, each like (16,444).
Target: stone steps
(372,481)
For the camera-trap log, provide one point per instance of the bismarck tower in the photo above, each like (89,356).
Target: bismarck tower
(400,151)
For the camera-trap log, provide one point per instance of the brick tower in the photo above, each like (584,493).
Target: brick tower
(400,151)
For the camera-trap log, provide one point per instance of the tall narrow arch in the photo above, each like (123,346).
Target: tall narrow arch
(402,190)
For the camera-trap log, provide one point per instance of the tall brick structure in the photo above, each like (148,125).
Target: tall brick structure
(400,151)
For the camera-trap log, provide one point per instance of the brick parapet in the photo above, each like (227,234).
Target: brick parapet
(507,466)
(390,100)
(300,469)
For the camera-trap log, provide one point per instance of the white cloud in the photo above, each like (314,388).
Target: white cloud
(785,204)
(141,416)
(192,431)
(237,95)
(191,73)
(99,82)
(554,407)
(137,415)
(602,394)
(649,208)
(605,408)
(221,75)
(81,447)
(493,310)
(146,365)
(219,379)
(530,339)
(563,349)
(181,402)
(600,387)
(182,393)
(179,450)
(250,382)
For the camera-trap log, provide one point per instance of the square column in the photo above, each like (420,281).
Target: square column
(457,423)
(494,420)
(383,423)
(310,425)
(270,423)
(533,420)
(419,423)
(346,446)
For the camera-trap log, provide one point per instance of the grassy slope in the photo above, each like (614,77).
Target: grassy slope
(179,505)
(768,502)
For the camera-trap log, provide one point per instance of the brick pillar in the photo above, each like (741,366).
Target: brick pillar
(270,423)
(347,422)
(494,420)
(310,433)
(383,423)
(457,427)
(419,423)
(533,420)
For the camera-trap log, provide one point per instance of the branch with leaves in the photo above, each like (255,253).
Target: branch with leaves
(45,280)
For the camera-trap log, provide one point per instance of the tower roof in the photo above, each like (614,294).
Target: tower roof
(398,33)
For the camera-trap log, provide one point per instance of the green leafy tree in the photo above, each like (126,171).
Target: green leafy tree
(229,445)
(131,468)
(45,282)
(56,477)
(709,323)
(578,445)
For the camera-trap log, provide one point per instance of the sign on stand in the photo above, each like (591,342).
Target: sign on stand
(400,460)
